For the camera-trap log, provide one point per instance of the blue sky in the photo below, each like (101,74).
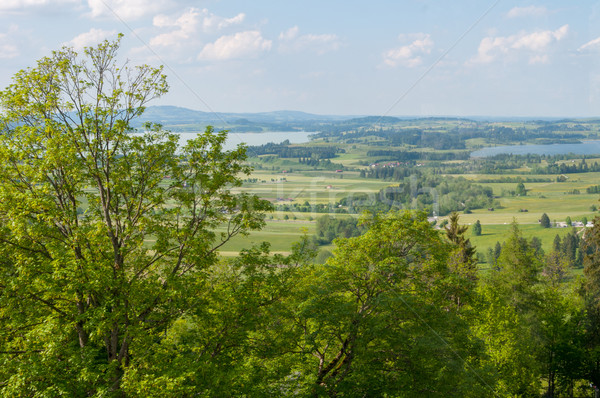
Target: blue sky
(419,58)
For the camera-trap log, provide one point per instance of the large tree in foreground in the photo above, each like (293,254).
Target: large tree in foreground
(380,317)
(104,234)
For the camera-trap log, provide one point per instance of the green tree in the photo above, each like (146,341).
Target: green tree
(557,243)
(591,295)
(465,261)
(521,191)
(507,317)
(323,256)
(536,244)
(236,341)
(497,250)
(556,267)
(560,328)
(376,319)
(105,234)
(477,228)
(519,270)
(568,221)
(545,221)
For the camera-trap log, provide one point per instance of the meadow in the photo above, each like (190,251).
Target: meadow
(284,228)
(289,183)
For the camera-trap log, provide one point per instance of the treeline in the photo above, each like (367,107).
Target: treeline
(323,163)
(515,180)
(356,129)
(499,164)
(283,150)
(308,208)
(329,228)
(569,249)
(403,156)
(565,168)
(415,137)
(502,135)
(593,189)
(398,311)
(437,194)
(395,173)
(506,163)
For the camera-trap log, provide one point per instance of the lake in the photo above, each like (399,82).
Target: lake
(591,147)
(252,139)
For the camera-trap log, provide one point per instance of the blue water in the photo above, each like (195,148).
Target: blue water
(591,147)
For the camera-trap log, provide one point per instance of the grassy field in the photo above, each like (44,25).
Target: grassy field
(498,233)
(285,228)
(280,234)
(286,181)
(312,186)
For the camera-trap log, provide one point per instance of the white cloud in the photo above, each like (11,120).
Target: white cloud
(194,16)
(289,41)
(539,41)
(409,55)
(536,44)
(212,22)
(125,9)
(590,45)
(240,45)
(289,34)
(539,59)
(8,48)
(13,5)
(186,26)
(94,36)
(530,11)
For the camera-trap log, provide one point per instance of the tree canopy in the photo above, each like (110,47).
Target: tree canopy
(104,231)
(111,282)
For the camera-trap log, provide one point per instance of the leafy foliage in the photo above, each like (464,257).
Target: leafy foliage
(103,231)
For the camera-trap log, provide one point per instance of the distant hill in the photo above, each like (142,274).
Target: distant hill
(375,119)
(171,116)
(180,119)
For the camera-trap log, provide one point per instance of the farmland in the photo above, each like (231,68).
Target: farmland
(301,192)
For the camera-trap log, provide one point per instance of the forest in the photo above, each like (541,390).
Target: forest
(115,282)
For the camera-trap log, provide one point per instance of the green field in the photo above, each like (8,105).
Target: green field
(299,187)
(289,183)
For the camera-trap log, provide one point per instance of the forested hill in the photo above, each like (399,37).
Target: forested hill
(180,119)
(184,119)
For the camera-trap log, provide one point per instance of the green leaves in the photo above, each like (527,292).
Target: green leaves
(371,320)
(105,232)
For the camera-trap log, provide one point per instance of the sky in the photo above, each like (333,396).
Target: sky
(396,58)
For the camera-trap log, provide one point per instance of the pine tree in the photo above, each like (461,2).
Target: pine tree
(465,260)
(545,221)
(591,294)
(477,228)
(557,244)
